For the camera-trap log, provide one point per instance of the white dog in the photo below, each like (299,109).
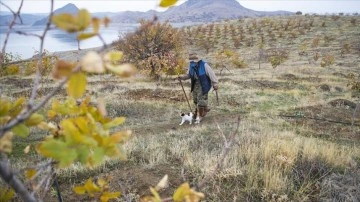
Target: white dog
(186,117)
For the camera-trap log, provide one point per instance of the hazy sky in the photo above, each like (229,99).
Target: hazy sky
(306,6)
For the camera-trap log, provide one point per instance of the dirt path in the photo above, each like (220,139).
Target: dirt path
(162,127)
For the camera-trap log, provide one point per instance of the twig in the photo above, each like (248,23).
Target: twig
(224,67)
(354,113)
(28,34)
(40,55)
(123,191)
(224,153)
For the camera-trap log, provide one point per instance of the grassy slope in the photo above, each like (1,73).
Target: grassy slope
(292,144)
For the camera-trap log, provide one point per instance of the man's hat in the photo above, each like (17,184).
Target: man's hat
(193,56)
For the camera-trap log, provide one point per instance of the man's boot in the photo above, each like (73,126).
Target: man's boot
(201,112)
(206,110)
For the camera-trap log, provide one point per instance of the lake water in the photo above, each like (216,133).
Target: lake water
(57,40)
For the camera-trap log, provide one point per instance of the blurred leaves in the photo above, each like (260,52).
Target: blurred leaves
(83,132)
(167,3)
(97,190)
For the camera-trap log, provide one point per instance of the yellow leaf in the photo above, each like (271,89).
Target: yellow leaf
(80,190)
(84,19)
(92,62)
(90,187)
(181,192)
(30,173)
(66,22)
(106,196)
(83,36)
(167,3)
(83,124)
(77,85)
(101,182)
(115,122)
(27,149)
(51,114)
(17,107)
(113,56)
(123,70)
(6,142)
(120,137)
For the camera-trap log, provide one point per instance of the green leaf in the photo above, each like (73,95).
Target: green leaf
(97,157)
(83,153)
(77,85)
(34,120)
(6,194)
(21,130)
(167,3)
(59,151)
(4,107)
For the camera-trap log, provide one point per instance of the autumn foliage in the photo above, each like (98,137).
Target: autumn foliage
(155,48)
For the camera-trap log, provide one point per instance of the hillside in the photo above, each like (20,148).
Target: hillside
(68,8)
(27,19)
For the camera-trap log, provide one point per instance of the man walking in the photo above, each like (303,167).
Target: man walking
(202,79)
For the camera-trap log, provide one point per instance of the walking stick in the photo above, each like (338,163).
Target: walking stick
(185,95)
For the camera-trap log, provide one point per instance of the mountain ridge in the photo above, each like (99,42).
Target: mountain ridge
(189,11)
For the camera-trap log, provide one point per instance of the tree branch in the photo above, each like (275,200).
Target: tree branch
(10,178)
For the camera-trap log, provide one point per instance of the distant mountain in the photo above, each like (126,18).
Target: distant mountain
(27,19)
(198,11)
(132,16)
(68,8)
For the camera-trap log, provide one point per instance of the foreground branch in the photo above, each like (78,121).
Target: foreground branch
(10,178)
